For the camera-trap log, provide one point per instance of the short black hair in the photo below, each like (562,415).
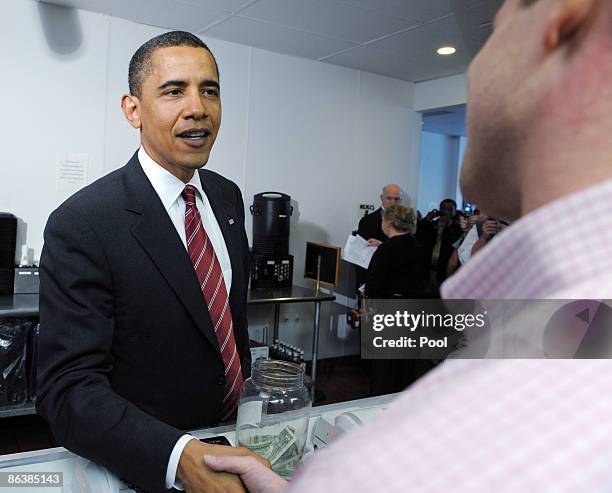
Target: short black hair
(448,201)
(140,64)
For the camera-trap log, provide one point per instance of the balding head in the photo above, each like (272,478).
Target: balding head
(391,195)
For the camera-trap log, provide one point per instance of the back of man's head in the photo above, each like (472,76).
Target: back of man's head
(140,64)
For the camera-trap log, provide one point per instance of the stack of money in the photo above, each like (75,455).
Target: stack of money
(282,451)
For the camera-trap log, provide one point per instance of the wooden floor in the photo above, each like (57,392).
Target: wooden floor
(340,379)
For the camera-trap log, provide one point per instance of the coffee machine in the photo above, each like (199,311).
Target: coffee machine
(271,264)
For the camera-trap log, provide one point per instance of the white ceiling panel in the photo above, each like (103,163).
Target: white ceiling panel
(276,38)
(395,38)
(476,24)
(482,11)
(390,64)
(327,17)
(169,14)
(228,5)
(91,5)
(423,42)
(422,11)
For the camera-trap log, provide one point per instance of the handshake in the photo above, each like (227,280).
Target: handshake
(219,468)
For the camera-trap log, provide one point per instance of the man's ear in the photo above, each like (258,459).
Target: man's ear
(131,109)
(568,18)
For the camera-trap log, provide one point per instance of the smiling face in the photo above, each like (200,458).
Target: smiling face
(179,109)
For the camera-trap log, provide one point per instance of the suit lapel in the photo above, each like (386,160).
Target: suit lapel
(157,235)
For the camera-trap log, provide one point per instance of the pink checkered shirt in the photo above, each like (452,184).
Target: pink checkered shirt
(499,425)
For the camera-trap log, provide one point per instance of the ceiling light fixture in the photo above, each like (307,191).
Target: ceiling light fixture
(447,50)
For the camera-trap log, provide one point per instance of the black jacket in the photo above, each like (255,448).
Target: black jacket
(396,269)
(370,226)
(427,233)
(127,355)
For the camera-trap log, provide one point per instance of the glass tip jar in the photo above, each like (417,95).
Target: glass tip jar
(273,414)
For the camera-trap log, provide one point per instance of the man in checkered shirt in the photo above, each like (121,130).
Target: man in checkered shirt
(540,152)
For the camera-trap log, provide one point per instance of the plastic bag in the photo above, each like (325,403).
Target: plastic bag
(14,334)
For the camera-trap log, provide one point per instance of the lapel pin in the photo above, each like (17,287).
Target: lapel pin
(230,220)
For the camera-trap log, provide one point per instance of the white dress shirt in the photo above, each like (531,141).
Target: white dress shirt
(169,188)
(512,425)
(464,251)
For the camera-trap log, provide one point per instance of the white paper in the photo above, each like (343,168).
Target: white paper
(465,249)
(71,171)
(249,413)
(357,251)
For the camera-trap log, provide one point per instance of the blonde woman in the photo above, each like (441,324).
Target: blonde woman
(397,268)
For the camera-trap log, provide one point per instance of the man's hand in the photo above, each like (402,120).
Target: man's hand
(489,228)
(198,478)
(256,477)
(431,215)
(374,242)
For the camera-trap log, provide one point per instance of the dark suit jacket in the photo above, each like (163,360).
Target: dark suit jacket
(127,354)
(370,226)
(426,235)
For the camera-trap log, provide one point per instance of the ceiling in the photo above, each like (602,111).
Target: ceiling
(395,38)
(448,121)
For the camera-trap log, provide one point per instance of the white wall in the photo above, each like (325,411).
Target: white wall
(328,136)
(439,170)
(462,147)
(441,155)
(54,101)
(439,93)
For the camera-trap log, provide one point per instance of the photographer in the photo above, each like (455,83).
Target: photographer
(479,230)
(437,233)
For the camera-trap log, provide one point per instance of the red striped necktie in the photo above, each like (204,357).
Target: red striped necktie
(210,277)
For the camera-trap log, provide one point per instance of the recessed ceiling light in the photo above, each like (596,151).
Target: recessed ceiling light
(447,50)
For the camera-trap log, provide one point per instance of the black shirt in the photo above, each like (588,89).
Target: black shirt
(396,269)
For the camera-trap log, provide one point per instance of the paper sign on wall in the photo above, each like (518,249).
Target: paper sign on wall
(71,171)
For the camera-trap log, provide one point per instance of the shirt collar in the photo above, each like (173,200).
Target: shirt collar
(167,186)
(561,245)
